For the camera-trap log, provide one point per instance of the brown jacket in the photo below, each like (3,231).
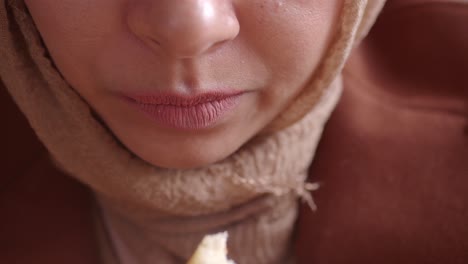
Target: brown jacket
(393,160)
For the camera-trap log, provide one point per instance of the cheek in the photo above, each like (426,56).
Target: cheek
(66,20)
(74,32)
(288,36)
(291,36)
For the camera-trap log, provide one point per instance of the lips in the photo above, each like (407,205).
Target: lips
(186,112)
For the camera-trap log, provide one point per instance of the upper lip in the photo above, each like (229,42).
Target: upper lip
(181,100)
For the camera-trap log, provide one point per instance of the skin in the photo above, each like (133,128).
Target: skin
(267,48)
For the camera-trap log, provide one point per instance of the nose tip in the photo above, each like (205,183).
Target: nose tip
(184,28)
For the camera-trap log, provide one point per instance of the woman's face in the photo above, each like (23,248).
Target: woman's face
(185,83)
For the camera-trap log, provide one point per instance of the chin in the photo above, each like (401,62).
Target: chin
(186,158)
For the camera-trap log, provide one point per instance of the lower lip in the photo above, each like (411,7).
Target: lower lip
(196,117)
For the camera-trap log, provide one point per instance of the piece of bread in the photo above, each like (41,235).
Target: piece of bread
(212,250)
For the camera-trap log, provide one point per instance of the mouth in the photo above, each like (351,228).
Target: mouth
(194,112)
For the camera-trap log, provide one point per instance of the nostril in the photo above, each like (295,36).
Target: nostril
(186,28)
(151,42)
(217,46)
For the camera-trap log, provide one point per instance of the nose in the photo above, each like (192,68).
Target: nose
(183,28)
